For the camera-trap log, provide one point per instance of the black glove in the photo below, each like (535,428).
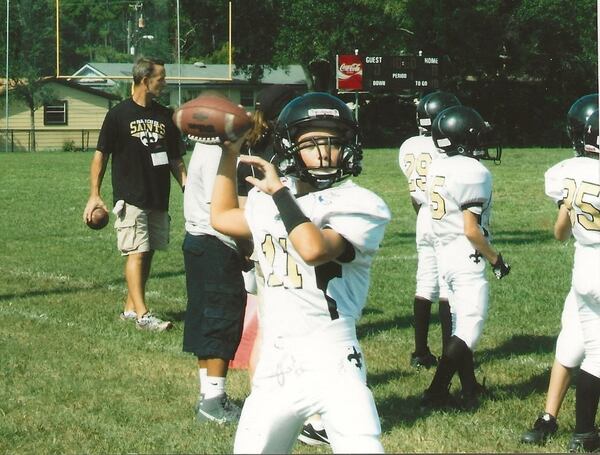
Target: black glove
(501,268)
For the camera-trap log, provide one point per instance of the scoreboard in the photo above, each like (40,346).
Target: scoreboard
(399,73)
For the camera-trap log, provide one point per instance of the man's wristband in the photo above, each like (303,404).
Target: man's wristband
(290,211)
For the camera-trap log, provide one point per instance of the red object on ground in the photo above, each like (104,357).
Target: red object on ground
(242,355)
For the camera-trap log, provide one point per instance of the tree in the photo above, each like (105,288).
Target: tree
(31,30)
(35,93)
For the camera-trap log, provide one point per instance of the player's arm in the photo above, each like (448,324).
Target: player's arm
(314,245)
(97,170)
(226,216)
(562,225)
(475,235)
(179,171)
(415,204)
(318,246)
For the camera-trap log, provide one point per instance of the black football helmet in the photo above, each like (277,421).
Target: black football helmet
(576,117)
(313,111)
(461,130)
(591,136)
(431,105)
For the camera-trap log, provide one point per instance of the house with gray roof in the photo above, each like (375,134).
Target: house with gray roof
(187,81)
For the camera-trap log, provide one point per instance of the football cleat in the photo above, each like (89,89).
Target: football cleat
(544,427)
(470,401)
(436,400)
(426,360)
(584,442)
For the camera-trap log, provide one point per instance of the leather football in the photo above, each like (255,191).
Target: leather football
(99,219)
(212,117)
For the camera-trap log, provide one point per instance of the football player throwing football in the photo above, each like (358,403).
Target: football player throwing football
(315,248)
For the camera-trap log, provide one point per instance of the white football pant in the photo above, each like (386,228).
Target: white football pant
(569,344)
(468,289)
(586,284)
(318,374)
(430,285)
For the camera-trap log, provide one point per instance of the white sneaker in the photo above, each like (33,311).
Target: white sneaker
(128,316)
(152,323)
(218,409)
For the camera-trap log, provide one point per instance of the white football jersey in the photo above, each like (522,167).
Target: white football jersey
(299,298)
(576,182)
(414,157)
(454,184)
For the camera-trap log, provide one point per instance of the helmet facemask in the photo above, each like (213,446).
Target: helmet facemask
(577,118)
(591,137)
(323,123)
(328,172)
(460,130)
(486,140)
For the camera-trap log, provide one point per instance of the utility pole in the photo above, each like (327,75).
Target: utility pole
(132,35)
(6,80)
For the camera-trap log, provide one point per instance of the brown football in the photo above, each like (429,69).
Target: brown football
(99,218)
(211,116)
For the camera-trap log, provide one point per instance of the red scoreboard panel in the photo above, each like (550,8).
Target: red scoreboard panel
(400,73)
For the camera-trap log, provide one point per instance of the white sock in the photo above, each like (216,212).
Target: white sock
(202,375)
(214,387)
(315,421)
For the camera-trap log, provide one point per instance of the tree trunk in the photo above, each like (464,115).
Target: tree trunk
(32,132)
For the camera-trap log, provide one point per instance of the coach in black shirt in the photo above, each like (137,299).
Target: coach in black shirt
(146,148)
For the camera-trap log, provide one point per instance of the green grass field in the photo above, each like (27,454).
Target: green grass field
(74,379)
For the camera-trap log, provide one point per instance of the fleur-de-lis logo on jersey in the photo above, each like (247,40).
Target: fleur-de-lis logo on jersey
(475,257)
(356,356)
(148,138)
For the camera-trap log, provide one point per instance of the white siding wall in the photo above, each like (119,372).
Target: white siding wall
(85,111)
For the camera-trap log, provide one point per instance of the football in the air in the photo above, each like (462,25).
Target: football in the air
(99,218)
(211,116)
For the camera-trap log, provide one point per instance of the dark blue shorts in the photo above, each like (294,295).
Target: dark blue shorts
(214,316)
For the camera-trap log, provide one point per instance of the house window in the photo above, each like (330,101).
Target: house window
(55,113)
(247,97)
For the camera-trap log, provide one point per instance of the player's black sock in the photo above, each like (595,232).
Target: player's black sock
(422,314)
(466,370)
(448,364)
(586,401)
(443,374)
(445,322)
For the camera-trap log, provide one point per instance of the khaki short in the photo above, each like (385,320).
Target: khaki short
(140,230)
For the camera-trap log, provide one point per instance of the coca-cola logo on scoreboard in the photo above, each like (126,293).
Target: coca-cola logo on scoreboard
(349,72)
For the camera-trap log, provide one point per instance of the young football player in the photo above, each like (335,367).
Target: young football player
(569,344)
(414,157)
(315,248)
(582,202)
(459,190)
(579,215)
(259,142)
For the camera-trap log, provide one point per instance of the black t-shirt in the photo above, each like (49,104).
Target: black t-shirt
(142,141)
